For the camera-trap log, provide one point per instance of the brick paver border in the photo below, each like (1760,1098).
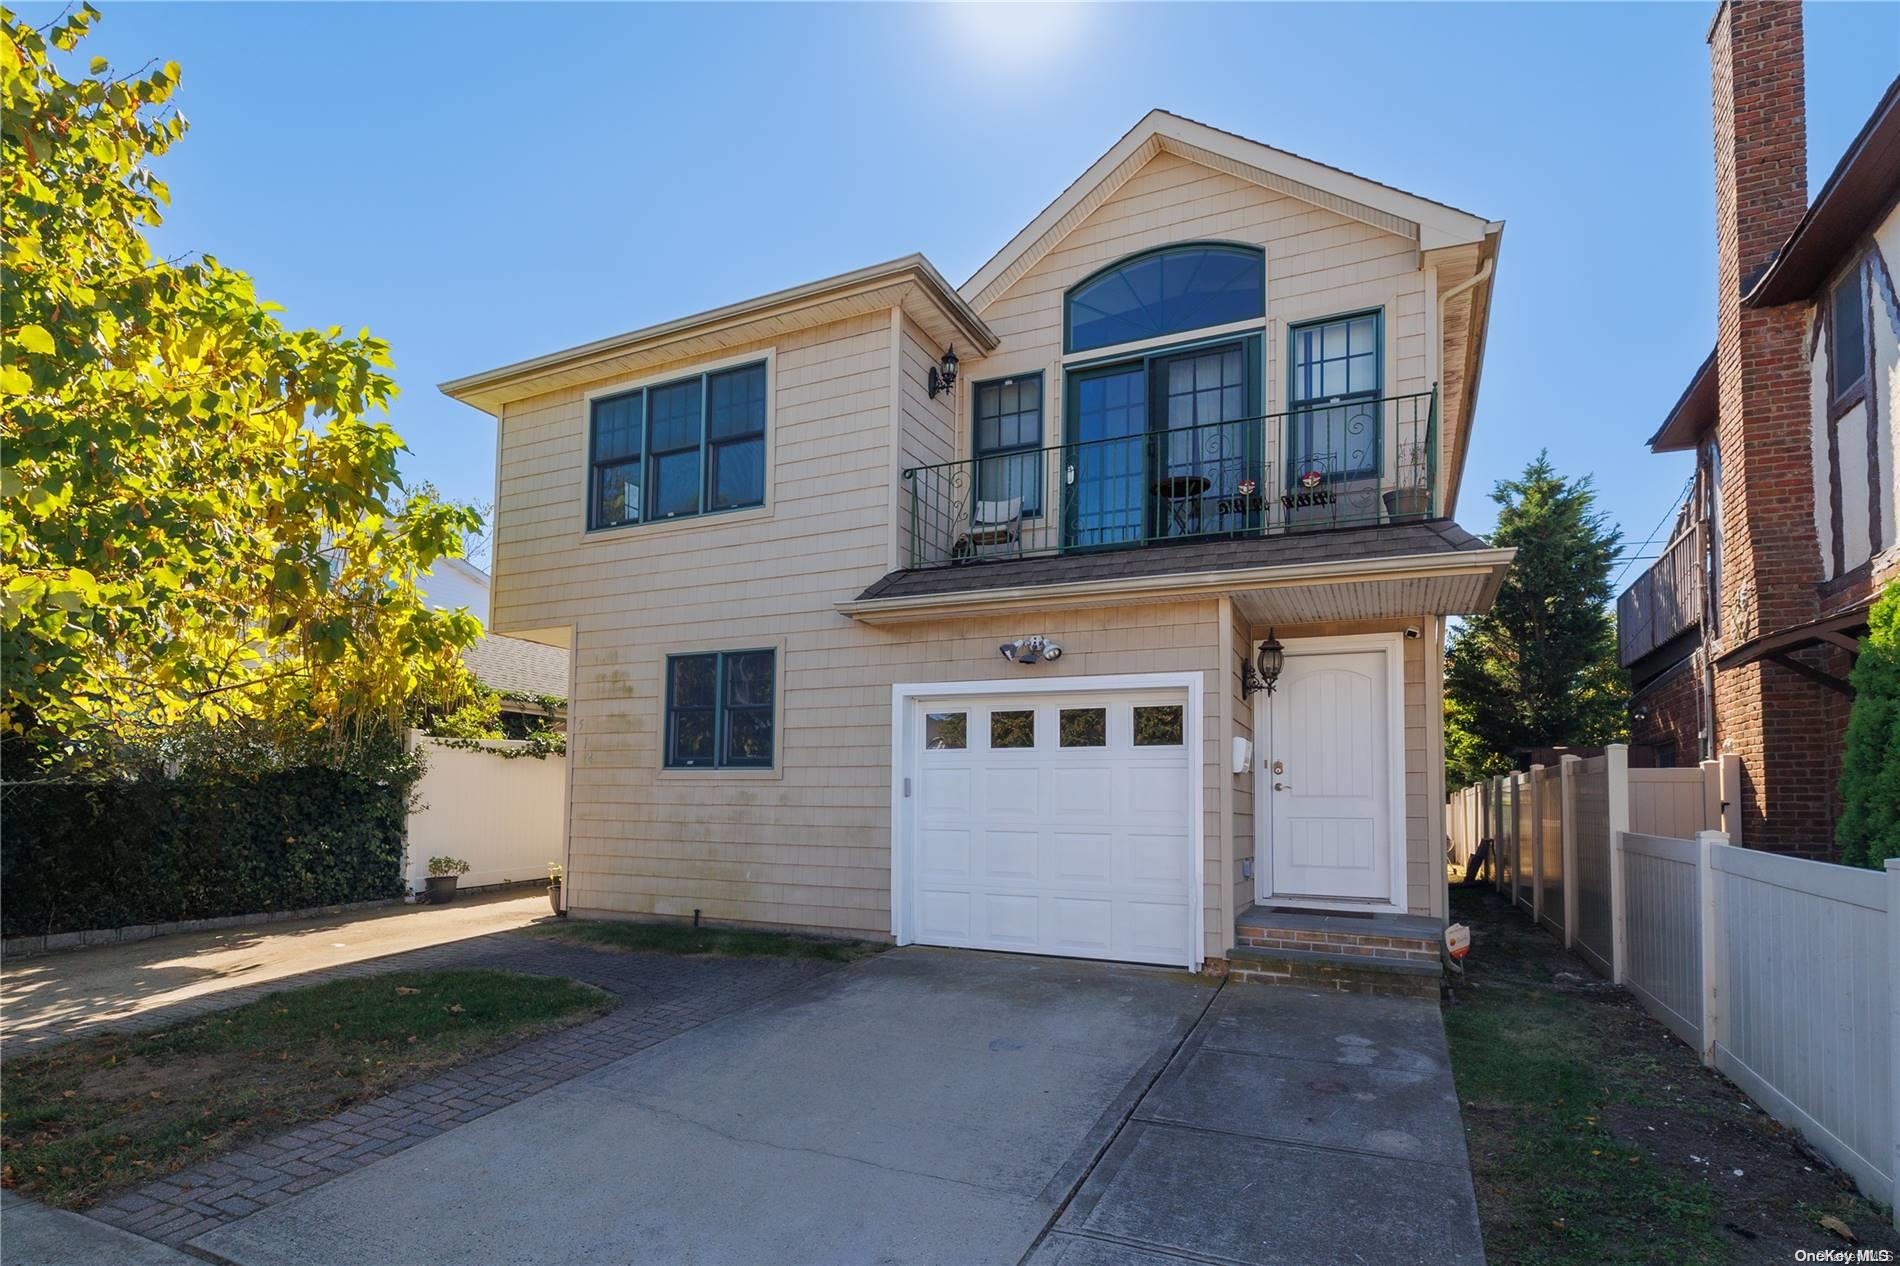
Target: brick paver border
(661,996)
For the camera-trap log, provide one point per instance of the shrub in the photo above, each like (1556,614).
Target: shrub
(77,856)
(1870,768)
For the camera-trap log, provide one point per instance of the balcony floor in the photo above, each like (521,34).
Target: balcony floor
(1342,545)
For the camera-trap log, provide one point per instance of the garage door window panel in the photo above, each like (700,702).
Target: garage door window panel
(946,731)
(1159,726)
(1012,729)
(1083,727)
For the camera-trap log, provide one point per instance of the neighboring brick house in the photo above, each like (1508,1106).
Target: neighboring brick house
(1741,636)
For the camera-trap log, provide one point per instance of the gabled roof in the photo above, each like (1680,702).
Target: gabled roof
(1863,185)
(911,282)
(1430,224)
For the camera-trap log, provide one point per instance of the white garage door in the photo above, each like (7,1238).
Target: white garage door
(1052,824)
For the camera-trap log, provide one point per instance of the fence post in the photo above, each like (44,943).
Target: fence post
(1732,798)
(1714,986)
(1893,1044)
(1537,844)
(1567,772)
(1711,795)
(1496,813)
(1617,773)
(1507,829)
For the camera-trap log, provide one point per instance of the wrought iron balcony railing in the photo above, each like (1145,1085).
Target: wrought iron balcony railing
(1334,464)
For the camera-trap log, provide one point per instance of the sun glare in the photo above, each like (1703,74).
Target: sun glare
(1014,36)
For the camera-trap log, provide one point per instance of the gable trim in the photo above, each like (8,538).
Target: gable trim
(1427,223)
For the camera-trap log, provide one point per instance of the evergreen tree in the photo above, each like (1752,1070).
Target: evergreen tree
(1870,770)
(1539,668)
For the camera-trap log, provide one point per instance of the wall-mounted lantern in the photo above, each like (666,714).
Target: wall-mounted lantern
(1264,672)
(943,376)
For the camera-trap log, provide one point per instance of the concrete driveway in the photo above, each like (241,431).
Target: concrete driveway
(51,997)
(933,1106)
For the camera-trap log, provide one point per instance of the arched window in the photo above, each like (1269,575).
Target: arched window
(1166,291)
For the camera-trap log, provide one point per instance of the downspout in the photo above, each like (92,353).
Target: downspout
(1445,297)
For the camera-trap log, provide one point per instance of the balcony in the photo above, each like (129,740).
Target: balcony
(1665,601)
(1356,463)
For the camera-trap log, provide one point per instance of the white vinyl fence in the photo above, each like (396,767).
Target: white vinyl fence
(1783,974)
(504,817)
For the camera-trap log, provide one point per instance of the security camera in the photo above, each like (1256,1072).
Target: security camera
(1414,633)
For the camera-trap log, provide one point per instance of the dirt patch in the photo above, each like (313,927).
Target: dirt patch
(1595,1135)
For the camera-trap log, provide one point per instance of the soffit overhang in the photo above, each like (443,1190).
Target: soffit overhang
(1458,582)
(911,284)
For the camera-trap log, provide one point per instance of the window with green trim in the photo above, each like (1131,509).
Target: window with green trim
(719,709)
(677,449)
(1336,382)
(1008,414)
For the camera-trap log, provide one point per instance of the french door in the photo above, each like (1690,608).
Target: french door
(1159,447)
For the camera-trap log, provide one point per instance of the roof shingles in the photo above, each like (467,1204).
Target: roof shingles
(1439,536)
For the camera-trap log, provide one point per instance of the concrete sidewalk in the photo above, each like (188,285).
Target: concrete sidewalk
(50,997)
(34,1235)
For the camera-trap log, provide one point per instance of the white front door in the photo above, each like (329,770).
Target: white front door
(1052,824)
(1332,774)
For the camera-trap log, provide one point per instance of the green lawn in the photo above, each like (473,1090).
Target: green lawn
(678,938)
(1596,1137)
(96,1114)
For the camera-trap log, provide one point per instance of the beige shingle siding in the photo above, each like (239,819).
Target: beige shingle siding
(809,842)
(1318,263)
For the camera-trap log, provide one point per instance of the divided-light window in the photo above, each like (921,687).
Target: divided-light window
(678,449)
(719,709)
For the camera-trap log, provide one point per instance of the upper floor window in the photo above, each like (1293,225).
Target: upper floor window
(1166,291)
(1847,344)
(677,449)
(1335,397)
(1008,414)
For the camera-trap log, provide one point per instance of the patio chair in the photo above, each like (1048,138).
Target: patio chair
(996,527)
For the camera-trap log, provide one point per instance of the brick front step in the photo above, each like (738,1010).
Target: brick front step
(1346,973)
(1377,953)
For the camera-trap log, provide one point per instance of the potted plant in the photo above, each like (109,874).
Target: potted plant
(443,872)
(1412,498)
(554,886)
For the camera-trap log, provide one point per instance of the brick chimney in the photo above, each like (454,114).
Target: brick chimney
(1775,720)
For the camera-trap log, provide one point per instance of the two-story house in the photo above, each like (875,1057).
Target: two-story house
(1741,636)
(1093,608)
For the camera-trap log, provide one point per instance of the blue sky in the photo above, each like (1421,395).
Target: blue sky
(481,183)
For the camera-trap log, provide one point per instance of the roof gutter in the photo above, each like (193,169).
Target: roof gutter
(1181,586)
(913,267)
(1474,364)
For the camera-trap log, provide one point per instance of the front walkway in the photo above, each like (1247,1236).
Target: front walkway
(50,997)
(1292,1127)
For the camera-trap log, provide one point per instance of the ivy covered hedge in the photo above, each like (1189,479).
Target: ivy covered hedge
(80,856)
